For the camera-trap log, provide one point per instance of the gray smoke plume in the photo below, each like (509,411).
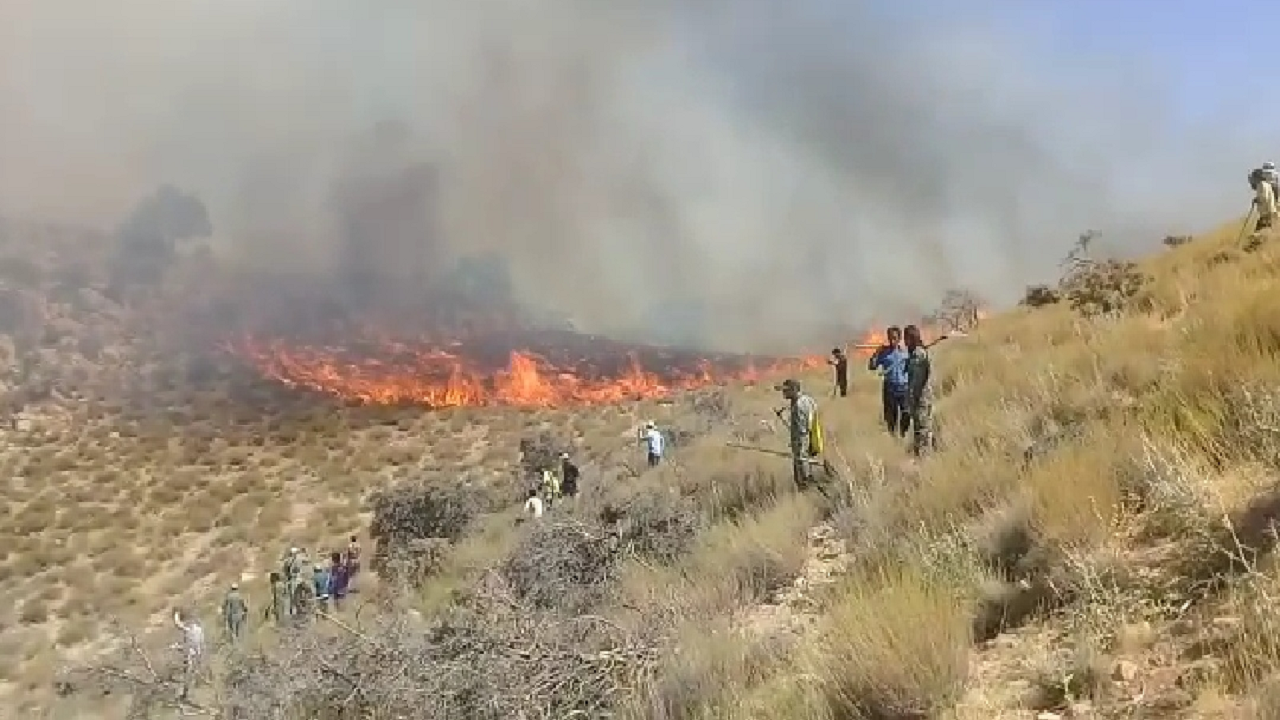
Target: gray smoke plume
(744,174)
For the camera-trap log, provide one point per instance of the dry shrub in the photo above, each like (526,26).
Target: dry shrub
(748,559)
(713,406)
(414,563)
(959,310)
(488,658)
(1066,677)
(895,646)
(716,665)
(565,565)
(540,452)
(1264,704)
(1252,644)
(1176,240)
(727,494)
(1039,296)
(418,510)
(658,526)
(1099,287)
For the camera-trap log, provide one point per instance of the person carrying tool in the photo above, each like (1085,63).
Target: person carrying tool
(1264,199)
(805,432)
(890,360)
(839,362)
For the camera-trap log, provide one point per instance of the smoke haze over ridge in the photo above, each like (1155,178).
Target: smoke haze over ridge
(769,161)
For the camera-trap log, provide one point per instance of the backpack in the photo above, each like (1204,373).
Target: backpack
(1272,178)
(815,434)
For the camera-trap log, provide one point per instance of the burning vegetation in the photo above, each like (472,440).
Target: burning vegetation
(529,368)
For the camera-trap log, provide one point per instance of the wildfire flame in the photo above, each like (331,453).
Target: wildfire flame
(381,371)
(870,340)
(511,367)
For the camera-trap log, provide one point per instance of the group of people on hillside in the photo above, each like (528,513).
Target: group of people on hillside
(553,484)
(299,588)
(906,400)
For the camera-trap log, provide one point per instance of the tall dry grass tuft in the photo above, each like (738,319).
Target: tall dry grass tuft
(895,645)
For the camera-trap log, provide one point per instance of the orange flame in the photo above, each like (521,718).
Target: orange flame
(866,345)
(399,373)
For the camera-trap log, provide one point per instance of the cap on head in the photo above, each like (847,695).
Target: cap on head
(649,424)
(293,551)
(789,385)
(235,586)
(1268,166)
(564,456)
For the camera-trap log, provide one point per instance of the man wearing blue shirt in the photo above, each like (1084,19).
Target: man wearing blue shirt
(890,360)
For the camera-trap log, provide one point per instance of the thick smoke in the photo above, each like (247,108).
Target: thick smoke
(743,174)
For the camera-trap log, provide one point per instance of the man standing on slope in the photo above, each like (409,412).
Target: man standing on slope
(805,432)
(840,363)
(569,475)
(653,441)
(234,612)
(890,360)
(1271,175)
(192,647)
(919,391)
(1264,199)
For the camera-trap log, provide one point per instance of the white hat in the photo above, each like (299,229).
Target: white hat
(649,424)
(1268,166)
(293,551)
(564,456)
(235,586)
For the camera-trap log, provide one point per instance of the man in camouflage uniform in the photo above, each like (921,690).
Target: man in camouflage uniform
(279,609)
(919,391)
(800,419)
(234,612)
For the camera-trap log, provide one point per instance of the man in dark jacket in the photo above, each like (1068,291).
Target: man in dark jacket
(569,475)
(840,363)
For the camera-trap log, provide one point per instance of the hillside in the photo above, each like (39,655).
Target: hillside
(1091,540)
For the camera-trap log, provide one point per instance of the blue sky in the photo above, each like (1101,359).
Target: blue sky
(1205,53)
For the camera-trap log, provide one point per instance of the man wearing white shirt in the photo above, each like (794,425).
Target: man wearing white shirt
(192,648)
(654,442)
(533,505)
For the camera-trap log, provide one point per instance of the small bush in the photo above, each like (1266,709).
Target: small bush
(565,566)
(1040,296)
(417,511)
(1099,287)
